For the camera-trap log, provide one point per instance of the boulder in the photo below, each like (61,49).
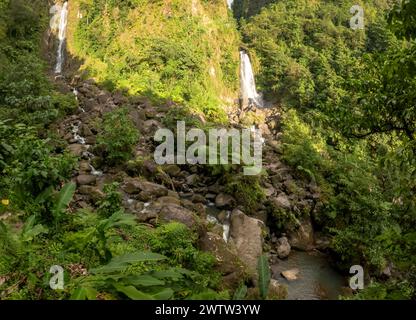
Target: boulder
(228,262)
(93,192)
(76,149)
(282,201)
(174,212)
(166,200)
(224,201)
(148,215)
(173,170)
(247,234)
(84,166)
(283,247)
(136,186)
(86,179)
(198,198)
(192,179)
(151,126)
(303,237)
(291,275)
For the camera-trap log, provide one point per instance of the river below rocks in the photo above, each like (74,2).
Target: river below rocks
(317,279)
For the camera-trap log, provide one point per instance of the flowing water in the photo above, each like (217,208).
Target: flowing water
(212,214)
(248,84)
(317,279)
(230,4)
(63,21)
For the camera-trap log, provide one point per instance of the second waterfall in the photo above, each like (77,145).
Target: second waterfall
(249,95)
(63,21)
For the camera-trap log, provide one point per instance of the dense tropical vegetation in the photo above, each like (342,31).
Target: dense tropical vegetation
(347,100)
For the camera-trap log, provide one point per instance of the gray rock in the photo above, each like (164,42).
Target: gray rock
(224,201)
(227,259)
(136,186)
(92,191)
(173,170)
(166,200)
(282,201)
(173,212)
(85,179)
(247,234)
(76,149)
(150,126)
(192,179)
(84,166)
(291,275)
(222,216)
(197,198)
(283,247)
(303,237)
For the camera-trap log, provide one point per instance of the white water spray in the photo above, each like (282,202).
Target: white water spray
(62,37)
(248,84)
(230,4)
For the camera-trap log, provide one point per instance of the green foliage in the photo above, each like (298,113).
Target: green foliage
(118,137)
(348,120)
(264,276)
(390,291)
(241,292)
(247,189)
(111,202)
(30,164)
(166,51)
(402,19)
(25,93)
(176,241)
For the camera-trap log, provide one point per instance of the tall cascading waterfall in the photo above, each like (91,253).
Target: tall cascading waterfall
(230,4)
(249,93)
(63,21)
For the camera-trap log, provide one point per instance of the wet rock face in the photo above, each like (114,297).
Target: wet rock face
(247,235)
(283,247)
(303,237)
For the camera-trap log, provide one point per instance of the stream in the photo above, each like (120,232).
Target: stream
(318,280)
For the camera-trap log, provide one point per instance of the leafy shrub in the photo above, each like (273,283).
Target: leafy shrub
(118,136)
(32,164)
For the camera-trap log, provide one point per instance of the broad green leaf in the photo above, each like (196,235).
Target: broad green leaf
(133,293)
(79,294)
(83,293)
(144,281)
(65,197)
(30,231)
(241,292)
(165,294)
(264,276)
(163,274)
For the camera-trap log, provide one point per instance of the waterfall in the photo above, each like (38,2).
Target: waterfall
(249,93)
(230,4)
(61,37)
